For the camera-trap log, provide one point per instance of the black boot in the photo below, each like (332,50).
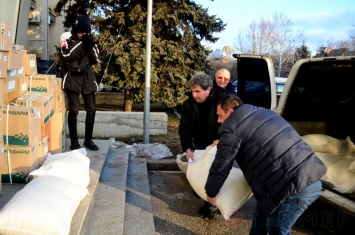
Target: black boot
(75,145)
(91,145)
(208,210)
(72,123)
(89,127)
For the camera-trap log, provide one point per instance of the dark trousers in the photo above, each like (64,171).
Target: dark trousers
(90,108)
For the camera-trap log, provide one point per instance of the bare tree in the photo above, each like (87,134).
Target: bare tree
(253,41)
(352,37)
(227,50)
(273,37)
(284,40)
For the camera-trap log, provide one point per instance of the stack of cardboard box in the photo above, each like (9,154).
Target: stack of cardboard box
(32,112)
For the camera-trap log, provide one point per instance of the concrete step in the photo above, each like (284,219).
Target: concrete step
(138,211)
(106,215)
(121,203)
(97,160)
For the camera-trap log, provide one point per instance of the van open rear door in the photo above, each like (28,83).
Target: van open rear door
(256,80)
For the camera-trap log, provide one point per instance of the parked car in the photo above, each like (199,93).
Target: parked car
(255,87)
(318,100)
(280,84)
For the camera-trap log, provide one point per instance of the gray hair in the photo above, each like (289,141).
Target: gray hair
(201,79)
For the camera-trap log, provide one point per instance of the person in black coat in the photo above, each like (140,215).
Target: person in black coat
(281,169)
(80,52)
(198,124)
(222,84)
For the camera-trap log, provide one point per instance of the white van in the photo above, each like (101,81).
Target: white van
(318,100)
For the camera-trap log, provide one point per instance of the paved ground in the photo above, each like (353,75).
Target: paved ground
(175,209)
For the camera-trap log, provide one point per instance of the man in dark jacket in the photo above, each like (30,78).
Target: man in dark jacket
(222,84)
(281,169)
(80,52)
(198,124)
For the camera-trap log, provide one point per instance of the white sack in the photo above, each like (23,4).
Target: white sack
(45,206)
(73,166)
(328,144)
(235,190)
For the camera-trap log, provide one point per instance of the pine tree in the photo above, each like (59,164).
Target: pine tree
(178,28)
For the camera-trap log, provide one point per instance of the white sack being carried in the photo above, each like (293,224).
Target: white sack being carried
(235,190)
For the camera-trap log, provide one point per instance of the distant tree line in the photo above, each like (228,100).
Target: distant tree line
(276,38)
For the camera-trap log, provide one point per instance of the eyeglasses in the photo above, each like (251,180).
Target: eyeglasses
(223,78)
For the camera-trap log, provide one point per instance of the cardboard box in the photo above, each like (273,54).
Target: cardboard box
(3,63)
(59,103)
(29,62)
(23,160)
(46,131)
(11,74)
(1,120)
(8,85)
(5,35)
(10,81)
(2,90)
(44,101)
(7,100)
(58,91)
(42,149)
(42,83)
(15,56)
(20,87)
(2,149)
(57,130)
(21,125)
(19,72)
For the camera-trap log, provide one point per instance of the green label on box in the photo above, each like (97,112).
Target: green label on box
(38,89)
(46,119)
(17,140)
(19,177)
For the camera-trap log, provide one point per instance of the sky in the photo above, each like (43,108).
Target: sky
(319,20)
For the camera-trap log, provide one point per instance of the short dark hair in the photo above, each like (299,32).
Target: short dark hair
(229,102)
(202,79)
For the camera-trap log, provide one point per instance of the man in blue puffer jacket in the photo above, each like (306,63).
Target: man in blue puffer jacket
(281,169)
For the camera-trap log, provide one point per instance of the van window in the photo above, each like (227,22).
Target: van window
(324,92)
(253,85)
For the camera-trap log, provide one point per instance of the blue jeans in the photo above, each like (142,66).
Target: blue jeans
(282,219)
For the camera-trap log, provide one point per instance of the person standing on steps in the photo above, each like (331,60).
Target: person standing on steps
(198,123)
(79,52)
